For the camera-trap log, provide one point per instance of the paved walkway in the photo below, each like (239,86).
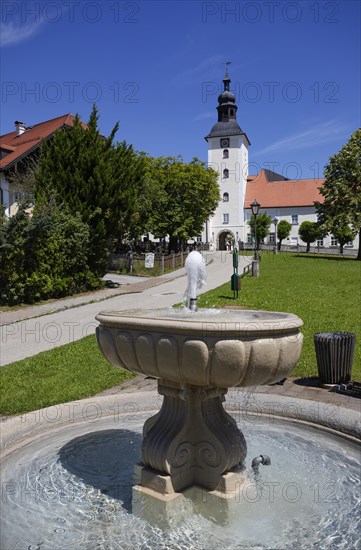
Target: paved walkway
(30,330)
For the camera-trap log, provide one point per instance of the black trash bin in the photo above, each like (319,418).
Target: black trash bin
(334,354)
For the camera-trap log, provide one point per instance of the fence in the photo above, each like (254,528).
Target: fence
(126,262)
(298,249)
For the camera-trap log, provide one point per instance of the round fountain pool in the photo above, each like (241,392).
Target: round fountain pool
(71,487)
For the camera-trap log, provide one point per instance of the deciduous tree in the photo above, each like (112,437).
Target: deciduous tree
(342,190)
(283,231)
(263,223)
(185,195)
(343,234)
(309,233)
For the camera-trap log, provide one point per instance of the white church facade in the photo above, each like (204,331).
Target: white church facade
(279,197)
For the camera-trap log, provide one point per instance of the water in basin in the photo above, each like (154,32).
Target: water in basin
(73,489)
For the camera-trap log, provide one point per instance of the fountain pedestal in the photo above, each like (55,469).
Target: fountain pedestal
(191,441)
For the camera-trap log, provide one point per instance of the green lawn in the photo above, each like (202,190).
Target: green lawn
(66,373)
(324,292)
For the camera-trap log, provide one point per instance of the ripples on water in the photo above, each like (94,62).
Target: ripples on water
(74,490)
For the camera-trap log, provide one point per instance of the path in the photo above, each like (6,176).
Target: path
(30,330)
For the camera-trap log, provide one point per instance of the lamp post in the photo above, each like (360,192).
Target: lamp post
(275,221)
(255,209)
(255,263)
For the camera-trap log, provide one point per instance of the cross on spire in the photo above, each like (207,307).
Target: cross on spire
(226,80)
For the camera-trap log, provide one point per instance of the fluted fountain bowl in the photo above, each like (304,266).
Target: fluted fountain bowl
(208,348)
(196,357)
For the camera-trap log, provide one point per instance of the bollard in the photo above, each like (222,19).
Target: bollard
(255,268)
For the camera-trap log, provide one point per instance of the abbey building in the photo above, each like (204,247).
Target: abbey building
(279,197)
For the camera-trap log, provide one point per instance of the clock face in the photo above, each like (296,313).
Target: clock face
(225,142)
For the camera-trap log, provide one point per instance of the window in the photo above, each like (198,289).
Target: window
(319,243)
(225,153)
(294,219)
(225,197)
(226,173)
(350,243)
(334,241)
(225,218)
(249,238)
(294,241)
(271,238)
(199,239)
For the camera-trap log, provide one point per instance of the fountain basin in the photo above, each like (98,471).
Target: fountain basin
(67,476)
(209,348)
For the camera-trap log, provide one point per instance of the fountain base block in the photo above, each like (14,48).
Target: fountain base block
(169,510)
(156,485)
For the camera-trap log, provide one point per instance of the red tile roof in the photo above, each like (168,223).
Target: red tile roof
(282,193)
(20,146)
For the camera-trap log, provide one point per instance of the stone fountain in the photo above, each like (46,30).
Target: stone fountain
(196,356)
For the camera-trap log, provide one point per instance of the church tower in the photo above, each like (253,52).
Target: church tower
(228,155)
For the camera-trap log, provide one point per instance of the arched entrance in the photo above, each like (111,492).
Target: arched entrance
(225,239)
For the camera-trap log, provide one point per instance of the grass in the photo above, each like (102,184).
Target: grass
(323,292)
(66,373)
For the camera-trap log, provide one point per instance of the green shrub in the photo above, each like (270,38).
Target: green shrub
(43,255)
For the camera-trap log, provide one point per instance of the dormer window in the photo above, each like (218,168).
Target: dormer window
(225,173)
(225,153)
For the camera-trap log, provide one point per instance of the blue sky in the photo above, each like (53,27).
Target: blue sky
(157,68)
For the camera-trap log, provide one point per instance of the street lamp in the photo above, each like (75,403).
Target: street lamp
(275,221)
(255,209)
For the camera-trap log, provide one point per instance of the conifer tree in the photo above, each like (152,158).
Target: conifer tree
(95,178)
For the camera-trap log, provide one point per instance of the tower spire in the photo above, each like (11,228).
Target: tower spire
(226,80)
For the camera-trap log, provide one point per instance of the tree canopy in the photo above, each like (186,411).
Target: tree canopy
(95,178)
(342,190)
(283,231)
(263,223)
(181,197)
(309,233)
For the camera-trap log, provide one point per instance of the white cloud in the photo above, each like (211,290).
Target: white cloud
(324,132)
(11,33)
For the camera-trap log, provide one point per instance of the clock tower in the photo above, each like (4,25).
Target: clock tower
(228,155)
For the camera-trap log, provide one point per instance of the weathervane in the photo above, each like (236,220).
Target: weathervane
(226,79)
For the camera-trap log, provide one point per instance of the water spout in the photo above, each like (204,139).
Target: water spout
(197,276)
(261,459)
